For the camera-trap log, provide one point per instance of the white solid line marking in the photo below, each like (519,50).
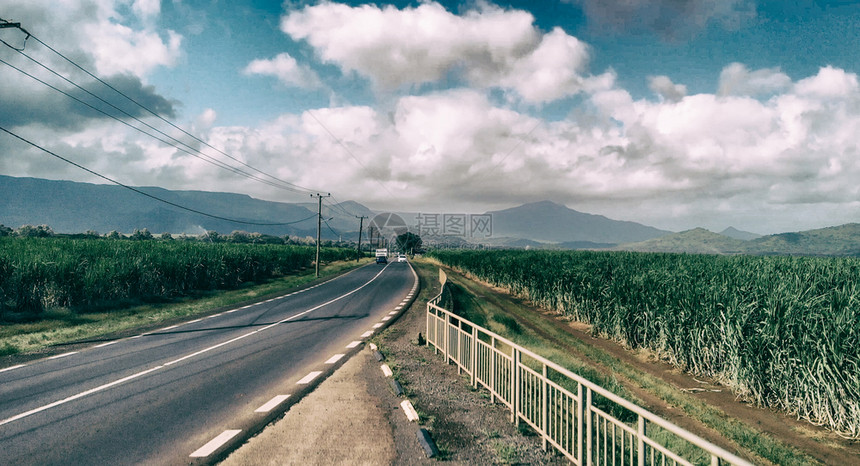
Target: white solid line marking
(386,370)
(12,368)
(106,344)
(79,395)
(209,348)
(411,414)
(271,404)
(215,444)
(353,344)
(367,334)
(386,318)
(307,379)
(171,327)
(193,321)
(63,355)
(334,358)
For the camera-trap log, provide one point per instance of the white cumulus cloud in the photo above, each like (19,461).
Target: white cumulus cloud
(286,69)
(486,47)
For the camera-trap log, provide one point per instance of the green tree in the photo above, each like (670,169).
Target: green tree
(29,231)
(408,242)
(5,231)
(141,235)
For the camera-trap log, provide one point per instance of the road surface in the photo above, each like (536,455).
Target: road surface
(178,395)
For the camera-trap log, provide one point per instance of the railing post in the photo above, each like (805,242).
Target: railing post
(640,440)
(515,393)
(459,346)
(580,423)
(446,333)
(588,435)
(474,356)
(427,330)
(544,408)
(492,369)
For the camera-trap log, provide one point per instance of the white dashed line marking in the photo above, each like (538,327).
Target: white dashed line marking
(215,444)
(386,318)
(378,325)
(353,344)
(367,334)
(334,358)
(392,313)
(307,379)
(63,355)
(271,404)
(12,368)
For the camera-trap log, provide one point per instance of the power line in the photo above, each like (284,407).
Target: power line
(179,206)
(204,157)
(155,114)
(207,157)
(341,143)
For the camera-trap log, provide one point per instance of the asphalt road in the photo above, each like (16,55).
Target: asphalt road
(172,395)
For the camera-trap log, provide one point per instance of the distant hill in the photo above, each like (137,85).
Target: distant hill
(70,207)
(549,222)
(843,240)
(695,241)
(733,232)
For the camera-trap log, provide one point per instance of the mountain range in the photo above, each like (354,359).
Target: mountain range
(72,207)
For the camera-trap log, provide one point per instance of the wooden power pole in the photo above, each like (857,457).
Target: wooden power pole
(319,228)
(360,227)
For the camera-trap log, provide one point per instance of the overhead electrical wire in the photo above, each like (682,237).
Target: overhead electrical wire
(155,114)
(174,204)
(204,157)
(278,183)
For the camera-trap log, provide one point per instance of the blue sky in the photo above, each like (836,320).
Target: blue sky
(219,37)
(673,114)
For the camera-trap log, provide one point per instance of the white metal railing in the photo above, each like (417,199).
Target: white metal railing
(585,422)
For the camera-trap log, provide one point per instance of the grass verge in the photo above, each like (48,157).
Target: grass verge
(61,326)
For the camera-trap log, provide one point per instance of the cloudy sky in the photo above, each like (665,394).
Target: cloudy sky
(676,114)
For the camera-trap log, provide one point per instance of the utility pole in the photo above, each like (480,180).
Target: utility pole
(360,227)
(319,228)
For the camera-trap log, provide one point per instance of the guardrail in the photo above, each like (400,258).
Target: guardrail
(585,422)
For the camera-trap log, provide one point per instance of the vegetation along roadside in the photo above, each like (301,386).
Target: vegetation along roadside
(59,290)
(556,339)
